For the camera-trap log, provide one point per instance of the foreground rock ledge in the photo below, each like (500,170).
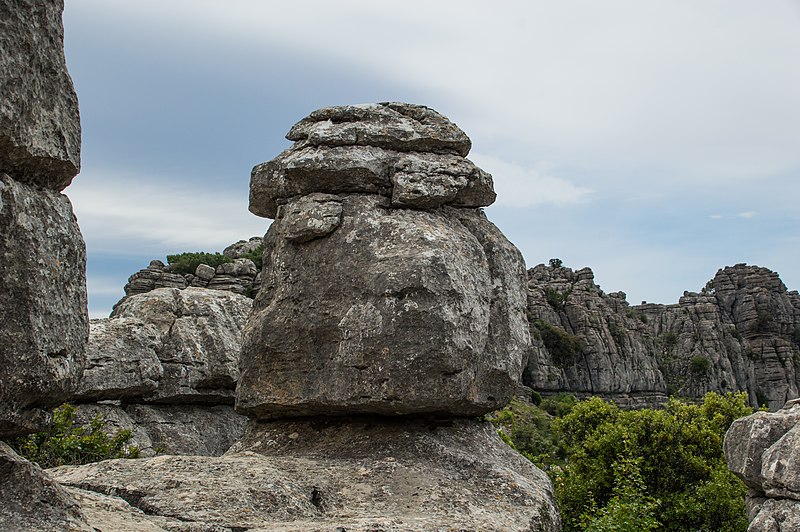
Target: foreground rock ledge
(357,474)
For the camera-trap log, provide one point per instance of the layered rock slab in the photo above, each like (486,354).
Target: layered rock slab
(40,132)
(355,474)
(43,314)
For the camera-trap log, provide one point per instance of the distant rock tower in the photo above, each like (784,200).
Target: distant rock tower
(385,290)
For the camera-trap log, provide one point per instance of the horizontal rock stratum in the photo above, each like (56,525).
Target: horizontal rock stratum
(385,290)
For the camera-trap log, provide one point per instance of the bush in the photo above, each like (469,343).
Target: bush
(185,263)
(676,452)
(256,255)
(564,347)
(700,364)
(62,443)
(556,299)
(526,429)
(559,405)
(556,263)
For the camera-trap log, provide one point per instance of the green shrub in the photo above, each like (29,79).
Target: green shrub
(564,347)
(700,364)
(559,405)
(526,428)
(677,453)
(255,255)
(556,299)
(62,443)
(556,263)
(184,263)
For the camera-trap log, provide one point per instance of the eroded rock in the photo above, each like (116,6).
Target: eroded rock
(40,131)
(43,317)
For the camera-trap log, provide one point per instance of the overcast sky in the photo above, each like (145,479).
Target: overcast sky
(653,141)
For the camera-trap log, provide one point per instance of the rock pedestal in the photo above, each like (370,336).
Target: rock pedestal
(43,315)
(385,290)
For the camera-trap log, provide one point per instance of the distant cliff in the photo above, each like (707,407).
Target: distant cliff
(741,332)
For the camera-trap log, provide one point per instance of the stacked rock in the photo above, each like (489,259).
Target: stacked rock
(385,290)
(43,316)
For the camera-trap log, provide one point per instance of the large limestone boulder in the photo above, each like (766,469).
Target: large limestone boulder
(31,501)
(380,293)
(167,346)
(763,449)
(333,475)
(40,131)
(43,315)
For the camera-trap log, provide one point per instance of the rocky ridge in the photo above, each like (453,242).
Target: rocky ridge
(741,332)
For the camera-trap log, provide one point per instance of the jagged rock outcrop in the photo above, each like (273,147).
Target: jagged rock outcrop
(244,247)
(237,276)
(40,130)
(197,430)
(31,501)
(167,346)
(333,475)
(763,450)
(384,290)
(588,342)
(43,316)
(739,333)
(156,275)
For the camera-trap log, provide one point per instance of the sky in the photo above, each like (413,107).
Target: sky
(654,142)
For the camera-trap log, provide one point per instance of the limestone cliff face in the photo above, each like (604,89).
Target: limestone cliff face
(741,332)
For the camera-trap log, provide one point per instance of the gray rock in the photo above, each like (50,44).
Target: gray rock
(243,247)
(156,275)
(200,334)
(204,272)
(777,515)
(396,311)
(40,131)
(311,217)
(410,154)
(31,502)
(763,449)
(587,342)
(371,474)
(196,430)
(121,360)
(394,126)
(44,323)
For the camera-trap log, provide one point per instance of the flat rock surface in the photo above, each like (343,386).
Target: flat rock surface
(44,323)
(40,131)
(321,475)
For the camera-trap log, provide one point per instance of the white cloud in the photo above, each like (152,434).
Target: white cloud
(131,214)
(716,216)
(520,186)
(747,214)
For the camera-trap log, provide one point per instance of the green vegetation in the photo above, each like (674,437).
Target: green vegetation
(184,263)
(556,299)
(62,443)
(556,263)
(634,470)
(564,347)
(255,255)
(700,364)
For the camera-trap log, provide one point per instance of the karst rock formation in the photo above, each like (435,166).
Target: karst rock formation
(740,332)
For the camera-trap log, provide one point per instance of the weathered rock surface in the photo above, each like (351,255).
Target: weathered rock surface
(763,449)
(588,342)
(168,346)
(156,275)
(31,502)
(408,153)
(244,247)
(370,474)
(40,132)
(198,430)
(741,332)
(43,316)
(383,289)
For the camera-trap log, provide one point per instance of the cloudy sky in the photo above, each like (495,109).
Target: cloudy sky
(654,142)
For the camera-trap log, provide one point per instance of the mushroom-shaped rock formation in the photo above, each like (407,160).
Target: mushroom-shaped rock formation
(385,290)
